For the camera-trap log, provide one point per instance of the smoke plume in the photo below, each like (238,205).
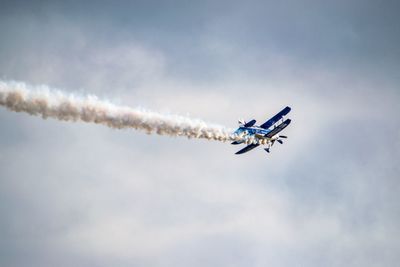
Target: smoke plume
(49,103)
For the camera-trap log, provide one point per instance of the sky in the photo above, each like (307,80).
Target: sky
(77,194)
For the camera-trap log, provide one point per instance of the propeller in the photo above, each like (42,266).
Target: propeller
(278,140)
(273,141)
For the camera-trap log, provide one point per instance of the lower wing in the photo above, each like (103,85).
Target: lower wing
(247,148)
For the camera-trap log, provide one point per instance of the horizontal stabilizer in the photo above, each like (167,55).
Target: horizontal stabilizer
(250,123)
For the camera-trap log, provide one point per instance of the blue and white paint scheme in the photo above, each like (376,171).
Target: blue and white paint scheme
(265,134)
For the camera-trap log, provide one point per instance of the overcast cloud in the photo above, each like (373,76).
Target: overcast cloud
(75,194)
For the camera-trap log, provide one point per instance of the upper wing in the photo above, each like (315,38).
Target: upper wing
(247,148)
(278,129)
(275,118)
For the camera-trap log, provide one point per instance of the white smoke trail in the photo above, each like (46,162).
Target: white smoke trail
(49,103)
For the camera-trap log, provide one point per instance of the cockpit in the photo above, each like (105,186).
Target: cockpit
(241,131)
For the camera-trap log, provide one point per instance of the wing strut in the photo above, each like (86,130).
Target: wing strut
(278,129)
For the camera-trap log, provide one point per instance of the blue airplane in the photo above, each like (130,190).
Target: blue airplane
(265,134)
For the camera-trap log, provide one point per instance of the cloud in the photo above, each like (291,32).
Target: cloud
(96,196)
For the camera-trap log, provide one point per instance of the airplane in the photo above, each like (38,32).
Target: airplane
(265,134)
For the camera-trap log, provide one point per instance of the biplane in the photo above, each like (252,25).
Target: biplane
(265,134)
